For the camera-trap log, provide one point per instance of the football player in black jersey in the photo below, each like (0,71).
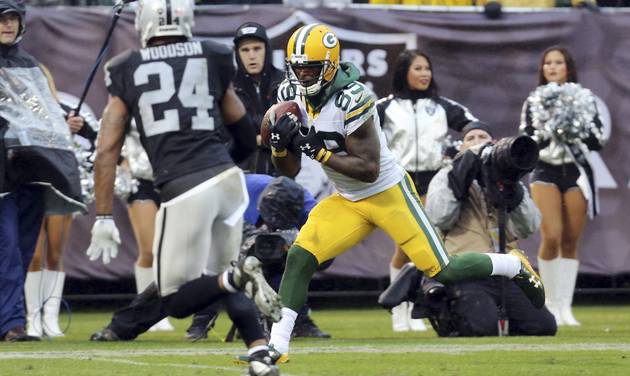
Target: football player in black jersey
(178,92)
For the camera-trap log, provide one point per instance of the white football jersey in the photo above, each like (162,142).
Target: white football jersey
(343,113)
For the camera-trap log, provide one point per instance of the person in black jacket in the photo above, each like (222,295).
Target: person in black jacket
(256,83)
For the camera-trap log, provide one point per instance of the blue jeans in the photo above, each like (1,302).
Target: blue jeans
(21,214)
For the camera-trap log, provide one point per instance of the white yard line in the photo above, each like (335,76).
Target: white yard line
(389,349)
(175,365)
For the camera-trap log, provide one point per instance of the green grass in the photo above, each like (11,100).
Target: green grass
(362,344)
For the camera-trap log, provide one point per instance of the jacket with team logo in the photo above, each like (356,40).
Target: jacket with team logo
(416,129)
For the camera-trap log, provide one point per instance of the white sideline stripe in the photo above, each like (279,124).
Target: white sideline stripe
(389,349)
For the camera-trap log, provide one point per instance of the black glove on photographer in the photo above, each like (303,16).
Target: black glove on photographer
(283,131)
(465,169)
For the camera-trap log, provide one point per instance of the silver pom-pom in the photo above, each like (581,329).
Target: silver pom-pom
(86,168)
(136,156)
(125,183)
(563,111)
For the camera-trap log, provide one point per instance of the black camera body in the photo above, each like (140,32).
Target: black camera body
(270,249)
(511,158)
(503,165)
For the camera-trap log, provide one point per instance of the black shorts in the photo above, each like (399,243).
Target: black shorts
(563,176)
(421,180)
(145,191)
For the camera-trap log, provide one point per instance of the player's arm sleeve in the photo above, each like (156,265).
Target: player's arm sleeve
(525,219)
(239,124)
(442,207)
(363,107)
(243,133)
(227,68)
(114,77)
(457,116)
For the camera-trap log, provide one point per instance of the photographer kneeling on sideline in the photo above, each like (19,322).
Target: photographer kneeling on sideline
(463,201)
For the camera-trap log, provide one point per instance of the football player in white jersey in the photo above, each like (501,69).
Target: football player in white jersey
(340,130)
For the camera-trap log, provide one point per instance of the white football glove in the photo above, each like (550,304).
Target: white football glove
(105,240)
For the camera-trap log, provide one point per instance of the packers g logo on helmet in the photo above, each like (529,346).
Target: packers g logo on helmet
(311,46)
(330,40)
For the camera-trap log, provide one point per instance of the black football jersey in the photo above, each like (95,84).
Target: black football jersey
(174,93)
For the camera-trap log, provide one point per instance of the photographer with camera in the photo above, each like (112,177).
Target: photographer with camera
(278,208)
(464,200)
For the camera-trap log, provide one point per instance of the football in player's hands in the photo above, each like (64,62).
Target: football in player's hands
(274,113)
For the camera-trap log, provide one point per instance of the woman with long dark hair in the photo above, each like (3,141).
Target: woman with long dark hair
(562,184)
(415,120)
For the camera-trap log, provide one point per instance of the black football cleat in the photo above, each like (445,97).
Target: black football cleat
(306,327)
(529,281)
(105,335)
(200,326)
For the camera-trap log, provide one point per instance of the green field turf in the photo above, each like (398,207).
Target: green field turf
(362,344)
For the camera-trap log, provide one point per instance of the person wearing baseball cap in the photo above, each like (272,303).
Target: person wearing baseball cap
(256,83)
(458,205)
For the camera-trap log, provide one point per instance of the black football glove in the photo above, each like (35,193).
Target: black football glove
(465,169)
(311,144)
(283,131)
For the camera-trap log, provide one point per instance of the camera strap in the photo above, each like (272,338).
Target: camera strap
(503,324)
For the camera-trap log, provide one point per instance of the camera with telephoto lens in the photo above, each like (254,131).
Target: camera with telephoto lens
(510,158)
(271,247)
(502,166)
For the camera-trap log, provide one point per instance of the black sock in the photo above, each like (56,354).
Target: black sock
(244,314)
(230,278)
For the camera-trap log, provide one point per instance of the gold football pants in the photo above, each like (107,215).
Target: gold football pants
(336,224)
